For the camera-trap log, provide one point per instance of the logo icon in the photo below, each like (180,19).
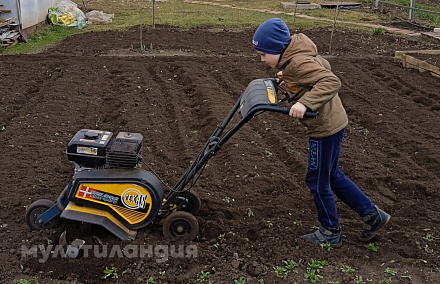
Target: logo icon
(134,199)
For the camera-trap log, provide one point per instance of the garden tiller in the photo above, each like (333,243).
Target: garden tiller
(109,188)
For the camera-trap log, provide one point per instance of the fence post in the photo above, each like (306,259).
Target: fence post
(411,10)
(381,5)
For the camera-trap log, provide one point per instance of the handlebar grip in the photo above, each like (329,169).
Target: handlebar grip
(307,114)
(310,114)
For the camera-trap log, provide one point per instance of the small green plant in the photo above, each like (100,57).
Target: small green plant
(269,223)
(220,240)
(347,269)
(429,237)
(280,271)
(390,271)
(312,276)
(290,265)
(33,280)
(372,247)
(110,273)
(378,31)
(386,281)
(151,280)
(202,276)
(151,46)
(216,246)
(313,269)
(359,280)
(241,280)
(326,246)
(427,249)
(250,213)
(366,132)
(227,199)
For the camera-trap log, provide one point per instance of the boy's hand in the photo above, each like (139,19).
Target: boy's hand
(280,74)
(297,110)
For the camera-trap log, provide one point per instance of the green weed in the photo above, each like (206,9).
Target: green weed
(372,247)
(359,280)
(326,246)
(280,271)
(313,269)
(290,265)
(347,269)
(151,280)
(390,271)
(33,280)
(241,280)
(110,273)
(249,212)
(378,31)
(429,237)
(202,276)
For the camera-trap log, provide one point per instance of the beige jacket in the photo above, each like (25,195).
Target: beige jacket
(310,81)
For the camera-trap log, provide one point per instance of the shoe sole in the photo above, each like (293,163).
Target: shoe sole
(388,217)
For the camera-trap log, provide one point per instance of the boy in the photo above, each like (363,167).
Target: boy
(309,80)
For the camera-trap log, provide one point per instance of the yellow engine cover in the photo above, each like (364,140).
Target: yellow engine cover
(132,202)
(133,196)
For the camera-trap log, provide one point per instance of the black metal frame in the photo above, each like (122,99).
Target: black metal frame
(216,140)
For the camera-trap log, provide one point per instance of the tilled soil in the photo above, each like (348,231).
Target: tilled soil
(255,204)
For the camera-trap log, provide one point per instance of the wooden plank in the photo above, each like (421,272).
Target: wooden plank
(408,61)
(421,51)
(414,63)
(5,11)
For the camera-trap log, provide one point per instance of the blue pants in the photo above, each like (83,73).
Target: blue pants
(324,178)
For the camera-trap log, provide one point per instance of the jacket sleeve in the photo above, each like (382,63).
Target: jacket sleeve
(319,83)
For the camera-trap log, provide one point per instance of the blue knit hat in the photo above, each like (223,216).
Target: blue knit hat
(271,37)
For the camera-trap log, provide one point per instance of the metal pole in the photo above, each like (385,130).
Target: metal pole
(154,14)
(381,5)
(411,10)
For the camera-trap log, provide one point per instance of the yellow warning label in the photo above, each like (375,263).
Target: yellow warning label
(271,95)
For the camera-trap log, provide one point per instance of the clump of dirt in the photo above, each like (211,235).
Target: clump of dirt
(255,204)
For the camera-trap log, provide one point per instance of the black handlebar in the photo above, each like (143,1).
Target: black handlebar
(307,114)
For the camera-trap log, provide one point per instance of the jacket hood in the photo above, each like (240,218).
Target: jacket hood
(300,45)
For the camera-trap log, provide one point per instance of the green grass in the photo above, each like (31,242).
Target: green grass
(45,36)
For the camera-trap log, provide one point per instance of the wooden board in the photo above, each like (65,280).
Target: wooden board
(409,61)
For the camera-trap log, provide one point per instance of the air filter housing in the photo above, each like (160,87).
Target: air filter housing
(87,147)
(125,151)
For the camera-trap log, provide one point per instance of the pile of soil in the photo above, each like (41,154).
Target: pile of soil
(255,204)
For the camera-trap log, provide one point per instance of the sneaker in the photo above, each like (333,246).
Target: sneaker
(375,220)
(324,236)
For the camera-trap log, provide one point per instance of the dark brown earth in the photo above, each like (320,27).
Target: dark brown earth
(175,95)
